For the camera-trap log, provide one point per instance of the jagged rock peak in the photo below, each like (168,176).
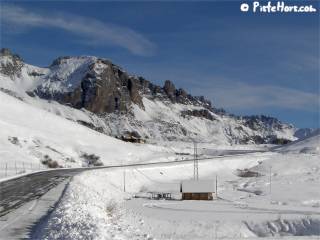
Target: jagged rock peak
(10,64)
(181,96)
(7,52)
(95,84)
(263,118)
(68,59)
(170,90)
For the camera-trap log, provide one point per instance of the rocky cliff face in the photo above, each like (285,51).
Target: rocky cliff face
(94,84)
(120,102)
(11,64)
(102,87)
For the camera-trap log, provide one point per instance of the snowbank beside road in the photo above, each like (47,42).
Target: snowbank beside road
(92,208)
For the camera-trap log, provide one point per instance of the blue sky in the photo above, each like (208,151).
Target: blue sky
(246,63)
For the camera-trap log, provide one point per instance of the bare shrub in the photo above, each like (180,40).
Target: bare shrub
(14,140)
(111,207)
(70,159)
(53,164)
(49,162)
(245,173)
(91,159)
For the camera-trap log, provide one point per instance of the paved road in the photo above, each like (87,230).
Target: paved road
(16,192)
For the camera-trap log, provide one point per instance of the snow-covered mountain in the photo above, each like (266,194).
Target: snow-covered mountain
(305,132)
(100,95)
(309,144)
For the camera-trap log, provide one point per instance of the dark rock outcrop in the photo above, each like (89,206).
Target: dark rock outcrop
(111,90)
(203,113)
(181,96)
(13,65)
(170,90)
(257,122)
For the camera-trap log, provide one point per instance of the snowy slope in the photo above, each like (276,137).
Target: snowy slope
(309,144)
(305,132)
(29,133)
(24,82)
(65,74)
(163,120)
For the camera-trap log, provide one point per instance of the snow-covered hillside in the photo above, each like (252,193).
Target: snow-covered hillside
(309,144)
(102,96)
(33,136)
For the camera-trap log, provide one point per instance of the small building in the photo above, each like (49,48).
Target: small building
(198,189)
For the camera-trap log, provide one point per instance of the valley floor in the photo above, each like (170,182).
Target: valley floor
(96,207)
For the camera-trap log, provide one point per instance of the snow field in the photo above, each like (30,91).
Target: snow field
(240,214)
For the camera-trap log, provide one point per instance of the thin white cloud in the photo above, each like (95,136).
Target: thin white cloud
(90,30)
(241,96)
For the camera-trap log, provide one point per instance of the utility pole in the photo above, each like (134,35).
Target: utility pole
(123,176)
(217,186)
(195,162)
(270,175)
(124,180)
